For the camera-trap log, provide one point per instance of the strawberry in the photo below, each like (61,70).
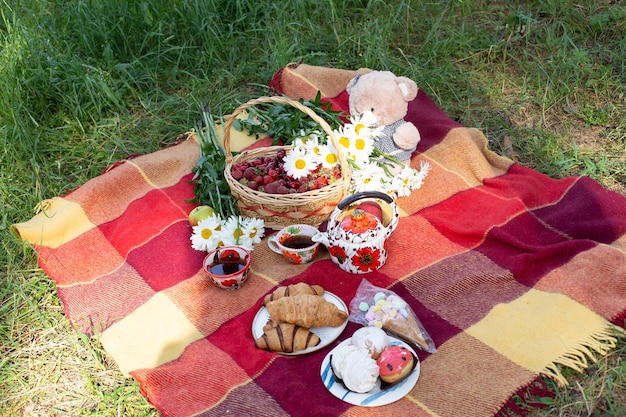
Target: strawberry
(249,173)
(272,187)
(237,174)
(321,181)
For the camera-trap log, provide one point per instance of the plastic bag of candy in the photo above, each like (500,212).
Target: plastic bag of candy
(375,306)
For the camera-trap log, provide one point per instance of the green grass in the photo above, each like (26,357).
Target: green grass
(86,83)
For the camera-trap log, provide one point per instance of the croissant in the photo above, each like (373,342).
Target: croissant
(293,289)
(307,311)
(286,338)
(271,323)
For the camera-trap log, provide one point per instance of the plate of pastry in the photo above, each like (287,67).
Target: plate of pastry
(298,319)
(370,369)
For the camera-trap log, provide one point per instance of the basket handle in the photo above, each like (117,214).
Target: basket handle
(343,163)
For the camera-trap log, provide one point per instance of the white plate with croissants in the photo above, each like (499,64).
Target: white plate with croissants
(298,319)
(370,369)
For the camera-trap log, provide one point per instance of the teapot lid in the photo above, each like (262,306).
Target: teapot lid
(360,222)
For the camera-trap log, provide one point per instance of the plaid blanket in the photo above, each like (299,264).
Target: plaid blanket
(513,274)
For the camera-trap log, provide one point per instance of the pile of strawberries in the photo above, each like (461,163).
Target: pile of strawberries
(267,174)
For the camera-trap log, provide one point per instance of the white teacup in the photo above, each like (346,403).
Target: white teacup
(295,243)
(228,266)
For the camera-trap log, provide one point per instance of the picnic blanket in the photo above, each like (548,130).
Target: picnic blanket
(512,273)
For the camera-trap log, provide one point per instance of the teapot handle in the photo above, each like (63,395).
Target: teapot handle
(364,194)
(393,223)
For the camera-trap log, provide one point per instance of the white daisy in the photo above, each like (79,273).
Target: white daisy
(328,156)
(312,145)
(233,234)
(418,179)
(206,235)
(253,229)
(369,177)
(298,163)
(362,148)
(402,182)
(365,125)
(345,141)
(299,143)
(316,152)
(410,179)
(355,146)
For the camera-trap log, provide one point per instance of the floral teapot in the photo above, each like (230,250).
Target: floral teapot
(356,238)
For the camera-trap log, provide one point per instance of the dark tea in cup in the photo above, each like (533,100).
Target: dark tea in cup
(298,242)
(226,262)
(295,243)
(228,266)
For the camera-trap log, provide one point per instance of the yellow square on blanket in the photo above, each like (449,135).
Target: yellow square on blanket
(48,229)
(558,324)
(154,334)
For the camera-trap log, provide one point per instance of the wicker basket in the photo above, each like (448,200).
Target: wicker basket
(280,210)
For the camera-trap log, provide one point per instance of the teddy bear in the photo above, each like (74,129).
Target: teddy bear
(384,97)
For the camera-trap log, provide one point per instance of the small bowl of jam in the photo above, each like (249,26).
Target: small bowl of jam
(228,266)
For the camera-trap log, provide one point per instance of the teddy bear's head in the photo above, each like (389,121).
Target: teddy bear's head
(381,94)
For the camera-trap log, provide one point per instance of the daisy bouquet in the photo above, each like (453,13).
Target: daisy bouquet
(372,170)
(214,232)
(223,227)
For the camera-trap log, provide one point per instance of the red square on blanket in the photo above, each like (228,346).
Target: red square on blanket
(143,220)
(168,258)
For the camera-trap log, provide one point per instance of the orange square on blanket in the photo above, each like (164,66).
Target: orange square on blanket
(104,198)
(164,169)
(144,219)
(209,307)
(274,268)
(95,305)
(416,244)
(577,279)
(80,260)
(464,152)
(439,185)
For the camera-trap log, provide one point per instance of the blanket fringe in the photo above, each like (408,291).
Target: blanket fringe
(589,351)
(522,402)
(528,397)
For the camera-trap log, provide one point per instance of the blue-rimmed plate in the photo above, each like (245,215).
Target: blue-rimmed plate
(375,397)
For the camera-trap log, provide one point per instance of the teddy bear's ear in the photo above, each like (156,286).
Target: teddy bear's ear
(408,88)
(352,83)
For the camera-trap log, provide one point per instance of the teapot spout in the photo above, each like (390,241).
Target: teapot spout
(321,237)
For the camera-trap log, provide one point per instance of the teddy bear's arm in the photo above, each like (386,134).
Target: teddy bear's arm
(406,136)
